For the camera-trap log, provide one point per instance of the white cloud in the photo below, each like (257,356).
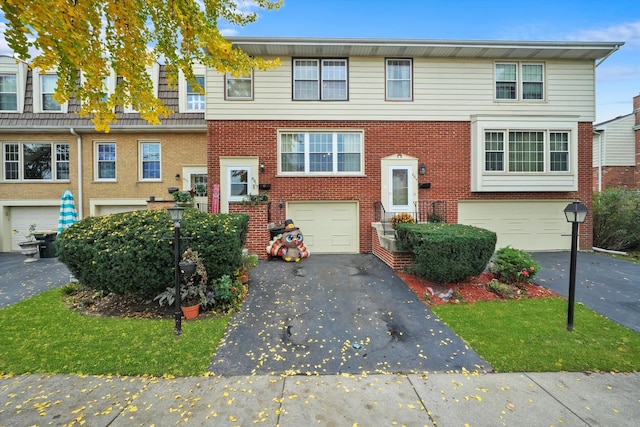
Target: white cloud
(628,32)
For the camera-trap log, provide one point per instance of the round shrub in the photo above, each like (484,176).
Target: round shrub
(514,266)
(132,253)
(446,252)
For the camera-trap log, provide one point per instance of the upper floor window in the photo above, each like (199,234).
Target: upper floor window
(47,89)
(519,81)
(105,158)
(195,99)
(240,87)
(8,92)
(321,153)
(526,151)
(399,75)
(149,160)
(13,84)
(320,79)
(35,161)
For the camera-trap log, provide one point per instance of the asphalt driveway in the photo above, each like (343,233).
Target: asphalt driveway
(603,283)
(330,314)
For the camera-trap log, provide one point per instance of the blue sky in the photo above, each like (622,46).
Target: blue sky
(618,78)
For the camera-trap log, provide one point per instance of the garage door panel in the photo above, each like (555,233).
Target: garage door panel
(527,225)
(327,226)
(21,217)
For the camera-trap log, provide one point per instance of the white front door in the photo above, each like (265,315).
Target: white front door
(400,194)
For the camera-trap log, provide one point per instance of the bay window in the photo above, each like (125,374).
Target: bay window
(520,151)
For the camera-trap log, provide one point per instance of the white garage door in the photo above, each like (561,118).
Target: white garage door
(327,227)
(21,217)
(527,225)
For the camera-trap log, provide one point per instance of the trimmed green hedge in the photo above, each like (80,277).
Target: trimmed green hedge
(132,253)
(447,252)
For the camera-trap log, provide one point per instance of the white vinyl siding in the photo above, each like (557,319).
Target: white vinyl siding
(618,142)
(443,89)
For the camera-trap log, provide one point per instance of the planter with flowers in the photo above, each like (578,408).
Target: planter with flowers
(184,198)
(194,293)
(249,262)
(31,246)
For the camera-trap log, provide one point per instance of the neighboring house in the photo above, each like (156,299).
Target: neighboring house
(48,148)
(616,151)
(494,134)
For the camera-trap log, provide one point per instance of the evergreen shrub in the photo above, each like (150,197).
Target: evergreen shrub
(132,253)
(446,252)
(514,266)
(616,215)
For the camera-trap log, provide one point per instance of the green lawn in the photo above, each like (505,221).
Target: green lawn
(42,335)
(530,335)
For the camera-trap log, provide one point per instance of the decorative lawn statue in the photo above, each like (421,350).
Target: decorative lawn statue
(288,245)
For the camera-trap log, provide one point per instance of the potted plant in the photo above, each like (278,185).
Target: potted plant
(249,261)
(193,292)
(184,198)
(31,246)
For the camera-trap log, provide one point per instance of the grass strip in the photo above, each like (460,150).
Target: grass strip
(530,335)
(42,335)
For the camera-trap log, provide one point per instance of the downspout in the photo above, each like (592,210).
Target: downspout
(80,198)
(599,132)
(614,50)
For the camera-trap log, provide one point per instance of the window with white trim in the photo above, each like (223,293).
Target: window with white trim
(399,79)
(239,179)
(320,79)
(8,92)
(195,99)
(48,84)
(35,161)
(105,156)
(519,81)
(338,153)
(240,87)
(521,151)
(150,161)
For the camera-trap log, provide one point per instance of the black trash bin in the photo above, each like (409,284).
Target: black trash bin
(47,241)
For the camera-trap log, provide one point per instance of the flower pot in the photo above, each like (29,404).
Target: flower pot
(30,249)
(191,312)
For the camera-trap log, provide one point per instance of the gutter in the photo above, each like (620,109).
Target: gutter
(614,50)
(80,197)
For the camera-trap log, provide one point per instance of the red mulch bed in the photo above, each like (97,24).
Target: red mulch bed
(473,290)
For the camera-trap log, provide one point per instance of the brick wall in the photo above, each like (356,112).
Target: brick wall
(396,260)
(444,147)
(258,236)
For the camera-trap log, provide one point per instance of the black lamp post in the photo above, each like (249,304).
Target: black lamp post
(576,213)
(175,213)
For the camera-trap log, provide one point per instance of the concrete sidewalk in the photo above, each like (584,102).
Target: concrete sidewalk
(520,399)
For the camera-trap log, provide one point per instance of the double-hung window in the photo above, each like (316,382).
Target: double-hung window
(239,88)
(35,161)
(320,79)
(149,161)
(8,92)
(105,161)
(338,153)
(519,81)
(195,99)
(48,84)
(399,84)
(526,151)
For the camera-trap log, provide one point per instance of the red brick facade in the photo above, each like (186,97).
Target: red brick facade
(444,147)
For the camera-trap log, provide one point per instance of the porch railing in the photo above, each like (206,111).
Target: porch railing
(424,211)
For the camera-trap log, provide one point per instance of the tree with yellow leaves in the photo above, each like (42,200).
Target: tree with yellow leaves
(126,36)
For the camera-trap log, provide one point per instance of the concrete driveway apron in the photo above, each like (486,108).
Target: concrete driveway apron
(331,314)
(605,284)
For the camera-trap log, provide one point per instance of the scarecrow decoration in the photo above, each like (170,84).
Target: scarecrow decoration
(288,244)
